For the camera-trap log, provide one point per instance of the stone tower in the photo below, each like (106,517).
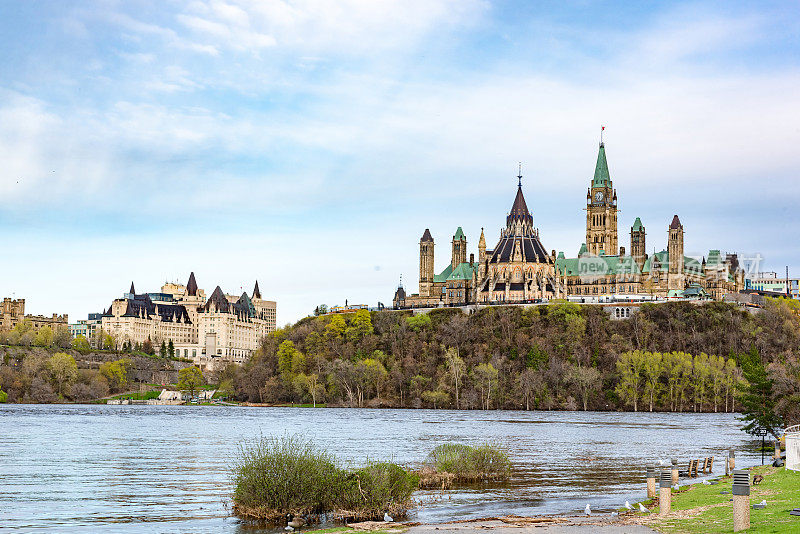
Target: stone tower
(675,249)
(459,248)
(601,209)
(638,247)
(481,256)
(426,264)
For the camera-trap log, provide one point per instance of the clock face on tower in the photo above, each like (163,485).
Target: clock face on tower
(598,196)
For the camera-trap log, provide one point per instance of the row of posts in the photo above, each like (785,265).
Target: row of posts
(669,477)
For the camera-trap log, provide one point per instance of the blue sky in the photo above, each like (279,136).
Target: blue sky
(309,144)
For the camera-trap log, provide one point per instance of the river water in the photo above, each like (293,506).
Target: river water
(78,468)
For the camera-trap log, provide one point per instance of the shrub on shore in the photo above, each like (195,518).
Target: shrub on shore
(456,462)
(278,476)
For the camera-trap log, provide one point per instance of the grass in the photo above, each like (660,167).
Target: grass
(701,508)
(147,395)
(276,476)
(456,462)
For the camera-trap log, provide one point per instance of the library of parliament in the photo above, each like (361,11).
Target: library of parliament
(519,269)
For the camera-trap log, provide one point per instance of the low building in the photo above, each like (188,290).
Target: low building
(13,313)
(770,281)
(223,329)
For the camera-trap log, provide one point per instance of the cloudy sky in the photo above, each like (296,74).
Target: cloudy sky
(309,144)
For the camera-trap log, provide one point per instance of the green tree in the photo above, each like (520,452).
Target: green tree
(536,358)
(171,349)
(290,361)
(309,383)
(190,378)
(3,396)
(652,370)
(163,350)
(109,343)
(116,373)
(438,398)
(701,371)
(420,322)
(360,326)
(335,327)
(81,344)
(757,399)
(630,367)
(371,373)
(44,337)
(63,370)
(486,378)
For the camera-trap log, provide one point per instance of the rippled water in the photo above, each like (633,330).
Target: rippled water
(164,468)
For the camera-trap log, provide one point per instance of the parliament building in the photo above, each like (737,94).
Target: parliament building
(519,269)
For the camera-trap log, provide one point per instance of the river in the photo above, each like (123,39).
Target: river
(78,468)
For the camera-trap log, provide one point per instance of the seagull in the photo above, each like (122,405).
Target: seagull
(387,518)
(288,529)
(706,483)
(643,509)
(661,462)
(614,515)
(763,503)
(588,510)
(628,505)
(675,487)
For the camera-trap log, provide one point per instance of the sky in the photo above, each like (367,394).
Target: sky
(307,145)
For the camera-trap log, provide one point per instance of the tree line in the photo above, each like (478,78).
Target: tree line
(674,356)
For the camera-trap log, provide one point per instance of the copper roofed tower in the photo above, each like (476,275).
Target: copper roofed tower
(256,291)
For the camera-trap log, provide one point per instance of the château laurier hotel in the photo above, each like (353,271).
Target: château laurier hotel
(519,269)
(211,332)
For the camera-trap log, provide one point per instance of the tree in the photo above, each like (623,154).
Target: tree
(700,374)
(163,350)
(81,344)
(44,337)
(190,378)
(3,396)
(109,343)
(63,370)
(116,373)
(419,322)
(62,338)
(335,327)
(486,378)
(171,349)
(360,326)
(371,373)
(586,379)
(290,361)
(756,399)
(437,398)
(630,367)
(652,371)
(529,383)
(456,368)
(309,384)
(147,347)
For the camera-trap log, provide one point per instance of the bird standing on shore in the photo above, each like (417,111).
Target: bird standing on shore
(757,479)
(387,518)
(588,510)
(643,509)
(628,505)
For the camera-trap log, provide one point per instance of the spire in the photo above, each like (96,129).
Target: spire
(519,210)
(482,240)
(191,286)
(601,176)
(519,176)
(676,223)
(133,290)
(256,291)
(459,235)
(637,225)
(427,235)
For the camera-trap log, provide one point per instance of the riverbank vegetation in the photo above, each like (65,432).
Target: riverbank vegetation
(273,477)
(674,356)
(456,462)
(703,508)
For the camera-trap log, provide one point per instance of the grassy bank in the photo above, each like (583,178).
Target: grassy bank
(702,508)
(456,462)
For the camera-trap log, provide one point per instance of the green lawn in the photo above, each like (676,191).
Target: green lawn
(702,508)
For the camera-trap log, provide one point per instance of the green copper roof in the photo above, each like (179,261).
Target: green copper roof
(561,256)
(442,277)
(597,265)
(637,224)
(601,177)
(459,235)
(714,258)
(463,272)
(583,249)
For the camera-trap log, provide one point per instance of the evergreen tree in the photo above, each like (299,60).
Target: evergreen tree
(756,396)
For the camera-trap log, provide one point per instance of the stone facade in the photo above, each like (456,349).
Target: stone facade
(222,329)
(13,313)
(520,270)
